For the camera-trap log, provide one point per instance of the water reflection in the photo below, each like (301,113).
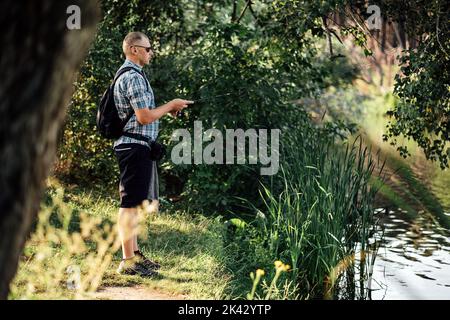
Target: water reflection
(413,261)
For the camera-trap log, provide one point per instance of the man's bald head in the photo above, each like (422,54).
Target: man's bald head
(136,47)
(131,39)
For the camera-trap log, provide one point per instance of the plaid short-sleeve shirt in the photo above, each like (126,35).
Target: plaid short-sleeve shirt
(132,92)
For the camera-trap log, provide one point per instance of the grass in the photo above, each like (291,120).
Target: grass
(416,184)
(70,246)
(63,257)
(191,252)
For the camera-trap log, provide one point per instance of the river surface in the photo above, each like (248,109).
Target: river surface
(413,261)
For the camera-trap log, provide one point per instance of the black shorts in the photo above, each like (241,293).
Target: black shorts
(138,175)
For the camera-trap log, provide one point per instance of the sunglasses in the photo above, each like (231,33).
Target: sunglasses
(146,48)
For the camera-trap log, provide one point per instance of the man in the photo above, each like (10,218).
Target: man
(138,175)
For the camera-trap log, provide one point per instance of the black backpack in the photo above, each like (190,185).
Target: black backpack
(109,123)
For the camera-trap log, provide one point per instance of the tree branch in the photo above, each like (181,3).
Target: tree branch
(437,32)
(233,14)
(252,12)
(324,20)
(249,2)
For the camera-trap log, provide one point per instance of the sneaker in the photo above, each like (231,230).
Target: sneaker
(132,267)
(147,263)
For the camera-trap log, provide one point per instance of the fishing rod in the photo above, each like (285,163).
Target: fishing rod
(239,93)
(214,97)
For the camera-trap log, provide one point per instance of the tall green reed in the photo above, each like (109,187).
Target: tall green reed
(319,214)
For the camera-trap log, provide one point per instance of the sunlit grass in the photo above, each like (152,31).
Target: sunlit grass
(67,253)
(76,231)
(190,251)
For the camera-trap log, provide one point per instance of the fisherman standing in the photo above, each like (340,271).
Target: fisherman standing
(138,173)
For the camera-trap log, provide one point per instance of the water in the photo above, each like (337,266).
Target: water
(413,261)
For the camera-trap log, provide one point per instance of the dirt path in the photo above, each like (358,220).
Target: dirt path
(133,293)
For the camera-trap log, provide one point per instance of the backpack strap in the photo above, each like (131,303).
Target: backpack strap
(126,69)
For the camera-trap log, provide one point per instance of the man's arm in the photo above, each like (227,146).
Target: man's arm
(146,116)
(141,101)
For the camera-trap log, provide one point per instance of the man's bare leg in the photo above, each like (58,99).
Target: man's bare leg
(127,225)
(135,244)
(154,207)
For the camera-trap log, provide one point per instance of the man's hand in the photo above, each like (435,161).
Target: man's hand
(178,105)
(145,116)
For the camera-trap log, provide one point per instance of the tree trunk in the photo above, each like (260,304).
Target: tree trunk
(39,60)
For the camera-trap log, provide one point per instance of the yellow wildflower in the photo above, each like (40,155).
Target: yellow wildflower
(260,272)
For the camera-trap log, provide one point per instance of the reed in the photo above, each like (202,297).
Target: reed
(319,216)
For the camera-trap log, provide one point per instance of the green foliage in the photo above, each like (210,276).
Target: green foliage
(359,38)
(422,112)
(241,62)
